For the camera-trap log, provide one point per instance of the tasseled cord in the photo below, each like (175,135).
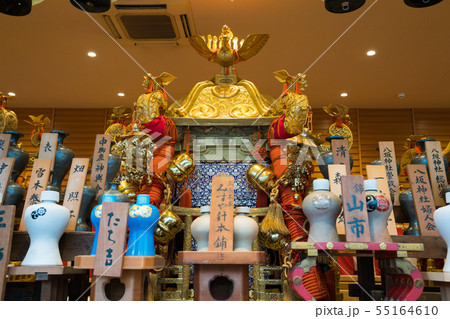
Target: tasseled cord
(186,194)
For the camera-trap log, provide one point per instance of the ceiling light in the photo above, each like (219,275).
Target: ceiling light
(401,95)
(121,94)
(93,6)
(421,3)
(343,94)
(339,6)
(11,94)
(371,52)
(92,54)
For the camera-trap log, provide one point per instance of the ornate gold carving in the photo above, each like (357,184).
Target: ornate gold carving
(343,131)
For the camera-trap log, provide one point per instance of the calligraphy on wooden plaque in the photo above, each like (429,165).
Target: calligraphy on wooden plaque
(423,199)
(74,189)
(335,172)
(388,160)
(38,182)
(378,172)
(341,153)
(100,163)
(49,143)
(6,231)
(355,209)
(222,210)
(6,166)
(438,176)
(5,140)
(111,239)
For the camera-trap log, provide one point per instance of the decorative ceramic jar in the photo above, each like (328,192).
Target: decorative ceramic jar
(142,221)
(96,214)
(14,192)
(88,198)
(442,220)
(180,167)
(114,190)
(379,207)
(114,162)
(322,208)
(245,230)
(326,158)
(45,224)
(407,206)
(63,161)
(200,229)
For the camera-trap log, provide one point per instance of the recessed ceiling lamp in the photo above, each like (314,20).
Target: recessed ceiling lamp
(339,6)
(421,3)
(344,94)
(11,94)
(17,7)
(92,54)
(121,94)
(371,52)
(92,6)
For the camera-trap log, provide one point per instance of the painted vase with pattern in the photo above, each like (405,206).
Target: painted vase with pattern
(322,208)
(142,221)
(96,215)
(379,207)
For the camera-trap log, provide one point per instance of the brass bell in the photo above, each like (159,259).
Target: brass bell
(169,225)
(261,177)
(180,167)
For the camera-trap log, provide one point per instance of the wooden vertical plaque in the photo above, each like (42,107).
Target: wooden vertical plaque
(389,161)
(38,182)
(423,199)
(49,142)
(74,189)
(341,153)
(100,163)
(6,231)
(335,172)
(111,239)
(6,166)
(355,209)
(438,176)
(378,172)
(5,140)
(222,210)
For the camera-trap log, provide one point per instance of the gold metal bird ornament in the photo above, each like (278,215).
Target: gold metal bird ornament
(226,50)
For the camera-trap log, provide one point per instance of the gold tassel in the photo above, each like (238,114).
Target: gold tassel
(273,222)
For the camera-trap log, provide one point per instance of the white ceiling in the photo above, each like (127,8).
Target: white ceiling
(43,55)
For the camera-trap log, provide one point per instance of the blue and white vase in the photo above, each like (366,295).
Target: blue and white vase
(96,214)
(142,221)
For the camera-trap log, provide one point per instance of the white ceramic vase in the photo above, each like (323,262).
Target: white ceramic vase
(322,208)
(379,207)
(45,224)
(442,220)
(200,229)
(245,230)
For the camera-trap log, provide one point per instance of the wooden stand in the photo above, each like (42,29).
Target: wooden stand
(220,276)
(442,279)
(54,279)
(402,280)
(131,286)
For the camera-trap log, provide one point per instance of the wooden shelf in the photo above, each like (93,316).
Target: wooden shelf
(49,270)
(129,262)
(358,246)
(436,276)
(222,258)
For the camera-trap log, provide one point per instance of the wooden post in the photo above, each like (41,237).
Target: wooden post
(423,199)
(49,142)
(378,172)
(6,231)
(388,160)
(222,210)
(38,182)
(74,189)
(111,239)
(355,209)
(438,176)
(341,153)
(100,163)
(6,166)
(5,140)
(335,172)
